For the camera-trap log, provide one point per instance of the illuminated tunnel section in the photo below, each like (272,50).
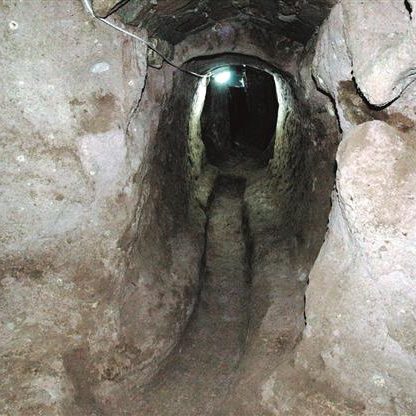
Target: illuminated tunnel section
(240,114)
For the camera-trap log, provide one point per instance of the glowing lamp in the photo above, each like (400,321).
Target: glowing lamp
(222,77)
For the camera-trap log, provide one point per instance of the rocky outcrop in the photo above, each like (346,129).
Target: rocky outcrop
(383,59)
(360,334)
(84,301)
(174,20)
(364,61)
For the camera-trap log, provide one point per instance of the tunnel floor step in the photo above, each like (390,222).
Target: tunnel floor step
(199,374)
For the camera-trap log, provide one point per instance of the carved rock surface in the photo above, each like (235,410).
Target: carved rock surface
(174,20)
(364,60)
(381,39)
(104,7)
(361,334)
(71,159)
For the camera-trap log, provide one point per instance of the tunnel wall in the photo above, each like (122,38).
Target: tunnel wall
(360,334)
(165,242)
(233,37)
(306,136)
(90,240)
(97,175)
(68,86)
(104,262)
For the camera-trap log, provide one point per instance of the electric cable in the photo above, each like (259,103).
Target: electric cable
(88,7)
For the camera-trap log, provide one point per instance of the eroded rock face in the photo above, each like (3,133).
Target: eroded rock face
(104,7)
(67,91)
(78,312)
(360,334)
(360,300)
(382,59)
(174,20)
(364,61)
(331,64)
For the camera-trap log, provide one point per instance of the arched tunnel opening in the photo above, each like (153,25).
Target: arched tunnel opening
(240,114)
(207,208)
(233,164)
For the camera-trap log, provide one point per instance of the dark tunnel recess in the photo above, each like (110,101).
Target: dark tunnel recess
(239,115)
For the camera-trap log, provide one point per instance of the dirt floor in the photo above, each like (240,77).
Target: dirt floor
(239,345)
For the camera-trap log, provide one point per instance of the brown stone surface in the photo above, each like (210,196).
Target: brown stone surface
(74,305)
(360,334)
(382,60)
(104,196)
(364,59)
(174,20)
(103,8)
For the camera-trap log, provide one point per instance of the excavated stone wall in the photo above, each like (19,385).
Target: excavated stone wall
(97,276)
(174,20)
(67,195)
(101,236)
(102,215)
(165,241)
(231,37)
(360,304)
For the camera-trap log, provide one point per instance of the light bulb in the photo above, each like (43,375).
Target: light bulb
(222,77)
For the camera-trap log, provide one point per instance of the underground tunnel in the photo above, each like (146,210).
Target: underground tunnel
(240,113)
(208,208)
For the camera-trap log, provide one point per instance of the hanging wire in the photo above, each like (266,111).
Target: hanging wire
(88,7)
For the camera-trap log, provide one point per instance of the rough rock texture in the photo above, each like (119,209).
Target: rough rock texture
(103,8)
(359,337)
(231,38)
(67,90)
(75,138)
(387,52)
(364,70)
(164,243)
(197,375)
(287,207)
(360,309)
(331,64)
(104,192)
(174,20)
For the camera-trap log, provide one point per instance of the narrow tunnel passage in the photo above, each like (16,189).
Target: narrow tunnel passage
(251,254)
(240,114)
(200,372)
(118,186)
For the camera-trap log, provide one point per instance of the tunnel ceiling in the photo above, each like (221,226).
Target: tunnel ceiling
(173,20)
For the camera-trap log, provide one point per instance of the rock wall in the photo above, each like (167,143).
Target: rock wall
(165,241)
(360,333)
(68,86)
(92,289)
(216,124)
(101,238)
(229,37)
